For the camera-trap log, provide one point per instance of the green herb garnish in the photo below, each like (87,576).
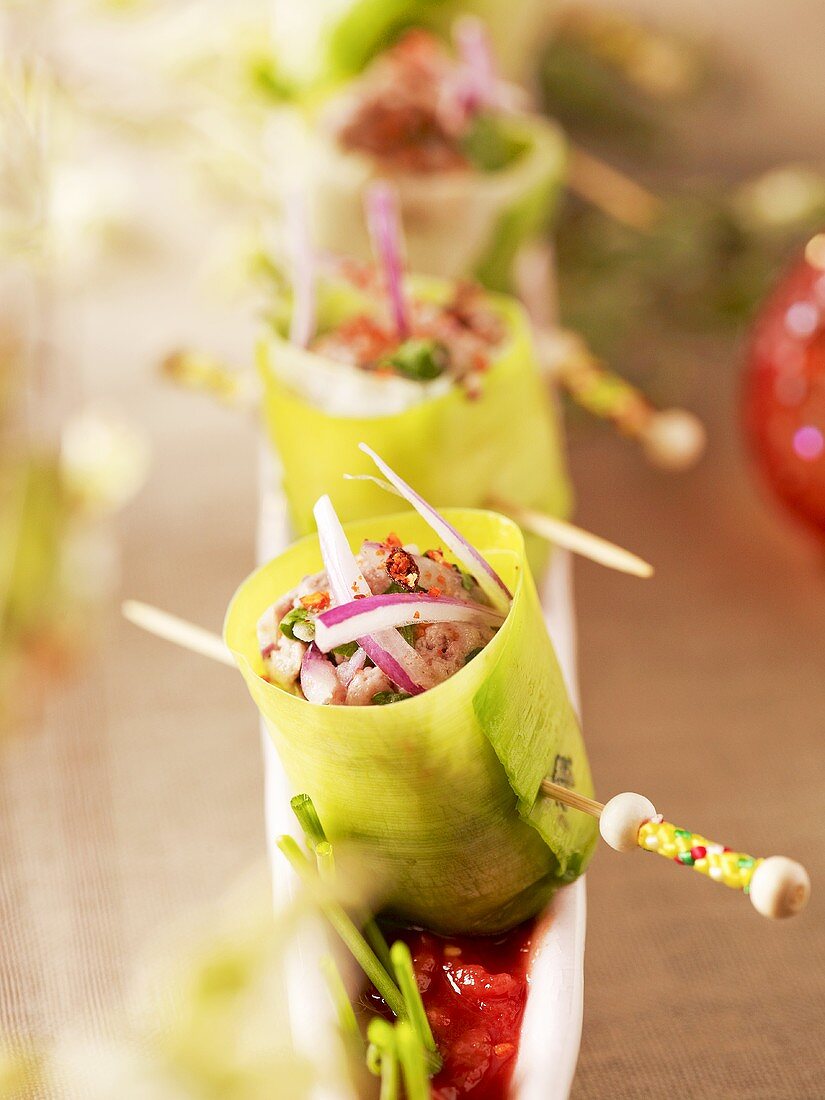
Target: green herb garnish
(421,360)
(489,145)
(473,653)
(346,650)
(468,581)
(382,698)
(297,625)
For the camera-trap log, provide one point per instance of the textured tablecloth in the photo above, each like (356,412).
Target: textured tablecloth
(139,796)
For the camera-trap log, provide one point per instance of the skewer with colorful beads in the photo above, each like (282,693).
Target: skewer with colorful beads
(778,887)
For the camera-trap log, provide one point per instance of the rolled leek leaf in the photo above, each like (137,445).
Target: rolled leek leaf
(457,224)
(457,451)
(326,45)
(437,797)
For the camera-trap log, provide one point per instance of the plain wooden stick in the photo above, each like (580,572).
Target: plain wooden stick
(575,539)
(178,631)
(614,193)
(571,798)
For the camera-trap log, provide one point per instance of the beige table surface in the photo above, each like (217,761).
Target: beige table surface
(139,797)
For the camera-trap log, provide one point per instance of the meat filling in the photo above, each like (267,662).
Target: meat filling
(286,629)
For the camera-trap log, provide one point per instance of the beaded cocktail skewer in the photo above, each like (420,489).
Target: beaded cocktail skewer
(777,886)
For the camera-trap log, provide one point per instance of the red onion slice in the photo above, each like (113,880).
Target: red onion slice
(387,650)
(385,232)
(302,260)
(347,669)
(489,581)
(319,679)
(479,89)
(374,614)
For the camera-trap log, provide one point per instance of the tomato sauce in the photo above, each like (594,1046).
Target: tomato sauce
(474,989)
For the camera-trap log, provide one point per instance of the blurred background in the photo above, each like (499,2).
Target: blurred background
(134,195)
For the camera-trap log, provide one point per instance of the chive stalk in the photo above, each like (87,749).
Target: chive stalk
(382,1057)
(325,859)
(347,1021)
(405,976)
(413,1063)
(304,809)
(343,924)
(375,938)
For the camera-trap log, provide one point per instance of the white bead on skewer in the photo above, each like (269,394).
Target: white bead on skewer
(778,887)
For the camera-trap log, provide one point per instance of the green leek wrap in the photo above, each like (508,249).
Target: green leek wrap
(465,223)
(437,797)
(457,451)
(320,45)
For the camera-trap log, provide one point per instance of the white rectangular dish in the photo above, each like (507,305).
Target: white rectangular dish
(551,1031)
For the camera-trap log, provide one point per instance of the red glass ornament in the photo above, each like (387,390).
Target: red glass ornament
(784,388)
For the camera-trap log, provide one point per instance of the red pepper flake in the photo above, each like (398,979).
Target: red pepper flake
(417,615)
(434,592)
(392,539)
(316,601)
(402,569)
(435,555)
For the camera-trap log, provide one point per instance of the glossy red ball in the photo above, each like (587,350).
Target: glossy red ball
(784,390)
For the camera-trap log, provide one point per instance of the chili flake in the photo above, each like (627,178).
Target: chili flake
(315,601)
(402,569)
(392,539)
(434,592)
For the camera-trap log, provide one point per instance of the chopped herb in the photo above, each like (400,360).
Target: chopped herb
(473,653)
(467,581)
(382,698)
(297,625)
(407,633)
(421,360)
(346,650)
(489,146)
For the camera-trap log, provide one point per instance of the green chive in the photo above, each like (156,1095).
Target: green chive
(342,923)
(340,999)
(421,360)
(382,698)
(382,1057)
(325,859)
(405,976)
(298,619)
(304,809)
(413,1063)
(375,938)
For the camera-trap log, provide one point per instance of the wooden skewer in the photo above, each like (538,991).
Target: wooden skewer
(558,531)
(178,631)
(576,539)
(778,887)
(672,439)
(612,192)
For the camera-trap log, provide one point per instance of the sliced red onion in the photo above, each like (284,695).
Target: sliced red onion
(347,669)
(488,580)
(473,43)
(387,650)
(384,228)
(319,678)
(299,246)
(349,621)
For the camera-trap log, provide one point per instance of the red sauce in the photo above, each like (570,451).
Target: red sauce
(474,989)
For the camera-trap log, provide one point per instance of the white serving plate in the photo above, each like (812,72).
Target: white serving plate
(551,1032)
